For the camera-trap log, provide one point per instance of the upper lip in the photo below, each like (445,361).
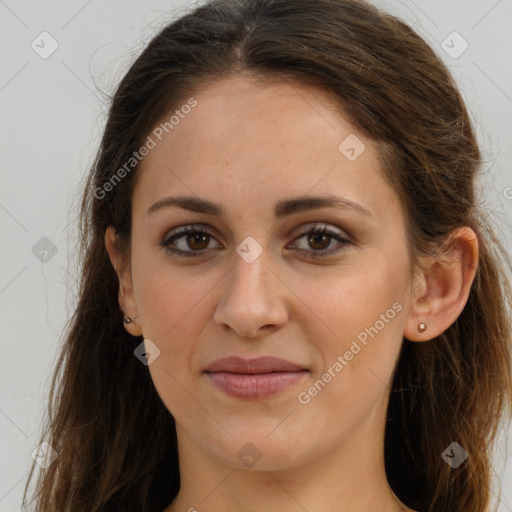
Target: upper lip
(264,364)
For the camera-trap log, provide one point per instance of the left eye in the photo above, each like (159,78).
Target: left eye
(194,241)
(320,239)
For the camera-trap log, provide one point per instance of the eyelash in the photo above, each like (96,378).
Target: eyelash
(196,229)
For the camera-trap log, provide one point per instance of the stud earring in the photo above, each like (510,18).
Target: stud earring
(127,320)
(422,327)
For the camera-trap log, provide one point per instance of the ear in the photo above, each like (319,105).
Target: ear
(123,270)
(443,287)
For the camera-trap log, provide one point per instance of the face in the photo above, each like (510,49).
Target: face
(266,271)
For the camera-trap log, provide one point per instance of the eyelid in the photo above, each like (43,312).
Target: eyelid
(341,236)
(324,226)
(338,234)
(187,228)
(305,229)
(181,231)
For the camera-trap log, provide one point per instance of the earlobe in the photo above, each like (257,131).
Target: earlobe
(125,295)
(444,287)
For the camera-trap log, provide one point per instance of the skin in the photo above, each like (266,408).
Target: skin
(246,146)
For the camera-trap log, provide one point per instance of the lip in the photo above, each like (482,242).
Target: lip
(254,378)
(265,364)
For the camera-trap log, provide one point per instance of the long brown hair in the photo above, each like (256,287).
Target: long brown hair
(115,439)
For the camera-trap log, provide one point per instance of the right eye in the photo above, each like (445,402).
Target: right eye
(193,241)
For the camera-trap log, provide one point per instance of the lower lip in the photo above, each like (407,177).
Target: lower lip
(242,385)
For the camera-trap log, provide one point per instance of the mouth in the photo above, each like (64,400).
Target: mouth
(255,378)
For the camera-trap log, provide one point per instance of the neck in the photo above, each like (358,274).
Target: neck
(350,477)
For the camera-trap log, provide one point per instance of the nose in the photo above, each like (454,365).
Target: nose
(253,299)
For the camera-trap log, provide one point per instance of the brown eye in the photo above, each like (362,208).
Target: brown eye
(197,241)
(188,241)
(318,242)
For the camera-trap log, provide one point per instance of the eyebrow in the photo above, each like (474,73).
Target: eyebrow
(282,208)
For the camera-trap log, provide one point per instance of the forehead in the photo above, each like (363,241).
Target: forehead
(235,108)
(251,143)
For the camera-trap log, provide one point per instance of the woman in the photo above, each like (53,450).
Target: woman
(290,298)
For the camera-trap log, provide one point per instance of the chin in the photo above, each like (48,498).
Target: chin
(258,451)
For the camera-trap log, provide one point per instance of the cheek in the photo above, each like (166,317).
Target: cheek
(171,307)
(172,313)
(346,303)
(361,318)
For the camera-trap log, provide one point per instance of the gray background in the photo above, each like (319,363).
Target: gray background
(53,112)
